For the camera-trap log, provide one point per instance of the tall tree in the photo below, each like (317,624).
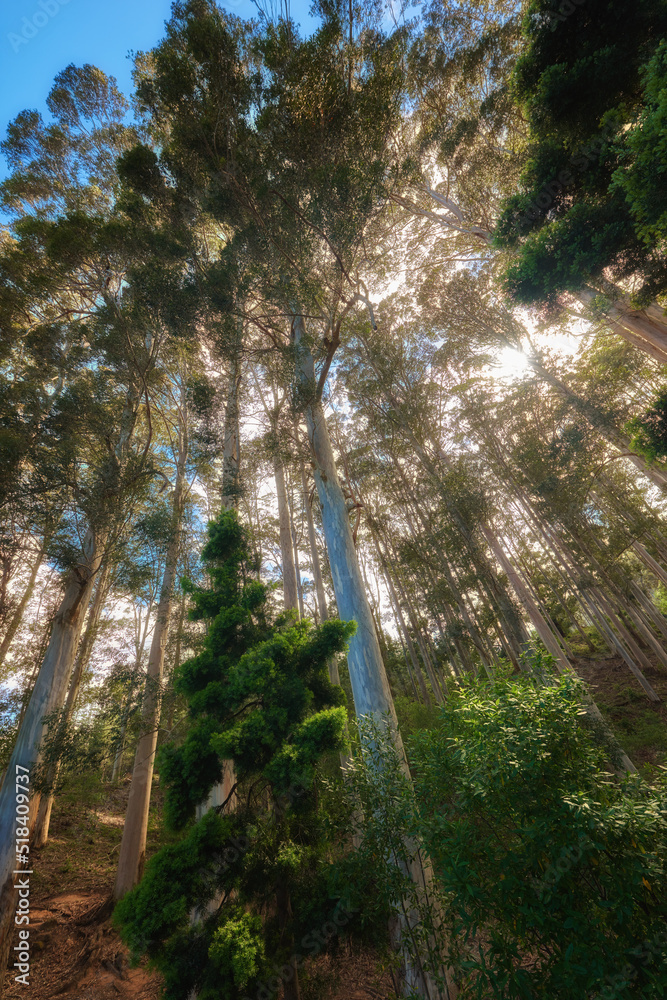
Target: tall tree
(580,85)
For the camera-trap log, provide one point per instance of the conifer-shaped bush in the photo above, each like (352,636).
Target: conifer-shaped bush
(224,910)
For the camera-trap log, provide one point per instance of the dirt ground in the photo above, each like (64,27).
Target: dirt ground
(639,724)
(76,953)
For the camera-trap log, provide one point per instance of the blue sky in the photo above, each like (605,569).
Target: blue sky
(40,37)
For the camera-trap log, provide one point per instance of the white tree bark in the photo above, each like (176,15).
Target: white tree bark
(133,844)
(48,695)
(17,617)
(290,592)
(370,687)
(645,329)
(43,821)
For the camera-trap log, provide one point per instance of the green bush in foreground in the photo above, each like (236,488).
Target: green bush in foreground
(550,874)
(225,911)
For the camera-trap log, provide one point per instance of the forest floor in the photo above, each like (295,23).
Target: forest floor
(639,724)
(76,953)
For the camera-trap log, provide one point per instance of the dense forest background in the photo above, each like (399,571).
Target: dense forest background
(333,556)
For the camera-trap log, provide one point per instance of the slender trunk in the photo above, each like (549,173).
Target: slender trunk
(295,550)
(48,694)
(332,663)
(624,605)
(659,621)
(600,422)
(231,478)
(556,560)
(118,756)
(231,457)
(524,595)
(50,687)
(314,554)
(289,573)
(403,629)
(645,329)
(41,834)
(528,571)
(446,610)
(17,617)
(512,625)
(177,661)
(370,687)
(598,616)
(650,562)
(435,687)
(562,663)
(133,845)
(637,653)
(524,571)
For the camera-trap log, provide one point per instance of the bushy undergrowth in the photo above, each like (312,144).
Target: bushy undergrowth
(238,904)
(549,874)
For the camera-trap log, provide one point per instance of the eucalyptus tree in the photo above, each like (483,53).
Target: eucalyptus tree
(551,467)
(291,159)
(59,172)
(460,140)
(580,83)
(605,383)
(390,385)
(177,423)
(469,134)
(90,277)
(316,153)
(277,445)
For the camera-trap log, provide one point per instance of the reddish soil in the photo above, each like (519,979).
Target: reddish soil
(76,953)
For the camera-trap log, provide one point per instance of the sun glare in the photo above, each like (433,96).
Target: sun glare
(510,364)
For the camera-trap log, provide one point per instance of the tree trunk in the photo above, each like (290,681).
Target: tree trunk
(133,845)
(428,667)
(43,821)
(524,595)
(332,663)
(48,694)
(597,420)
(286,553)
(512,626)
(295,550)
(605,629)
(659,621)
(17,617)
(650,562)
(641,328)
(403,629)
(118,756)
(231,477)
(562,663)
(370,687)
(231,458)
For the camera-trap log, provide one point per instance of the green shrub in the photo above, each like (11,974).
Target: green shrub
(550,874)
